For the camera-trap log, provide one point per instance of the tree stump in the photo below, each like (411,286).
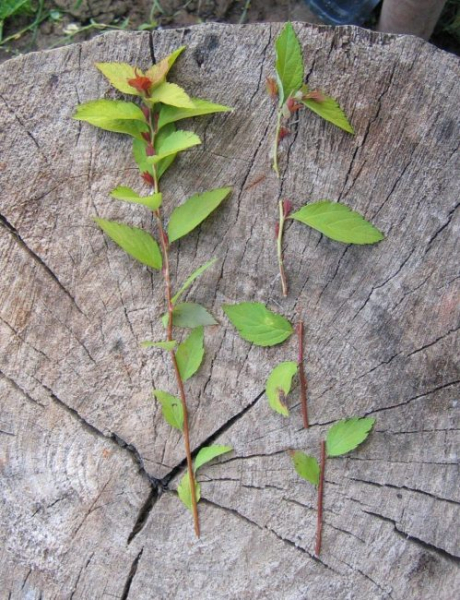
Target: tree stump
(88,465)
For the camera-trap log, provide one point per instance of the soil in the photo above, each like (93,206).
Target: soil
(140,14)
(67,21)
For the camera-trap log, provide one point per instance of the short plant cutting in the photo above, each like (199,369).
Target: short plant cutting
(151,123)
(334,220)
(258,324)
(343,437)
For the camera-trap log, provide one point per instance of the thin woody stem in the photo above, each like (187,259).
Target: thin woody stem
(279,249)
(276,143)
(180,383)
(164,244)
(319,523)
(302,376)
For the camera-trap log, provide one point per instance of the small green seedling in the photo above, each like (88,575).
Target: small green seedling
(156,142)
(342,437)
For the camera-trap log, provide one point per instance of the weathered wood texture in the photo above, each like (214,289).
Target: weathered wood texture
(83,515)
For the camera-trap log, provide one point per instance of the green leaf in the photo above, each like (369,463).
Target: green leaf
(185,493)
(174,143)
(10,8)
(171,408)
(289,62)
(279,385)
(140,156)
(169,61)
(171,94)
(208,453)
(329,110)
(169,345)
(128,195)
(190,315)
(346,435)
(188,282)
(338,222)
(256,323)
(113,115)
(103,110)
(190,353)
(164,164)
(306,466)
(194,211)
(170,114)
(136,242)
(118,75)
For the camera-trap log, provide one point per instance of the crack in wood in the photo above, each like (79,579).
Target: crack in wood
(262,64)
(144,512)
(16,236)
(252,523)
(407,488)
(131,575)
(111,437)
(210,440)
(17,387)
(83,568)
(415,540)
(383,284)
(433,238)
(409,400)
(429,344)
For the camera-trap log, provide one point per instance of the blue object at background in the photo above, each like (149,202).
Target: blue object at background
(342,12)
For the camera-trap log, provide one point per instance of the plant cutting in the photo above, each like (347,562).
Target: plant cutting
(151,123)
(334,220)
(258,324)
(343,437)
(291,94)
(279,382)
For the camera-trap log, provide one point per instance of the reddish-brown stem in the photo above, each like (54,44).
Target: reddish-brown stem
(319,523)
(302,376)
(180,383)
(164,244)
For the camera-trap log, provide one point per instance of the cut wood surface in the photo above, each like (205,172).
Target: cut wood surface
(89,467)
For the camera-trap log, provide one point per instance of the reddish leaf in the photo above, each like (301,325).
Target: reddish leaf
(272,88)
(315,95)
(140,83)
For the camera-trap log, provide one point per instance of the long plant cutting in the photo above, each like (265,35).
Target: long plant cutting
(151,123)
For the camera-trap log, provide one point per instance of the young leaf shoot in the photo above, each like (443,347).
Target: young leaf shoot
(291,94)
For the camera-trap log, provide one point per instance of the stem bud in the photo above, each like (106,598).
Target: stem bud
(148,178)
(287,208)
